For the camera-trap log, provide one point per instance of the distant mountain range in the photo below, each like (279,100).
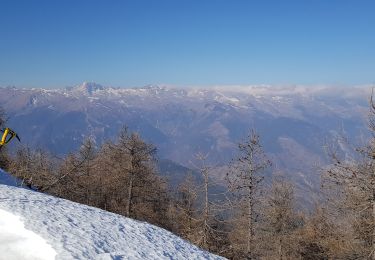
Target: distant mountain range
(294,121)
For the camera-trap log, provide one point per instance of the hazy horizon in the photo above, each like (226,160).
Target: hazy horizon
(212,87)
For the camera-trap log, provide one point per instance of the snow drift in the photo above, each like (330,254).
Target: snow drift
(46,227)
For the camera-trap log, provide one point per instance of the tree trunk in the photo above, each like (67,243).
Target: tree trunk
(130,195)
(280,249)
(250,223)
(206,209)
(88,183)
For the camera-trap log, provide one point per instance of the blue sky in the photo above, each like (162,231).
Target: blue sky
(58,43)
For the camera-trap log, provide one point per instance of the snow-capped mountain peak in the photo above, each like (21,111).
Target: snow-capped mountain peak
(88,88)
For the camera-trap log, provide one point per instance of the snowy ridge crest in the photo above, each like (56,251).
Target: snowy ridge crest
(230,92)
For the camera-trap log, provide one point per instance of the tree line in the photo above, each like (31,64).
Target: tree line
(255,218)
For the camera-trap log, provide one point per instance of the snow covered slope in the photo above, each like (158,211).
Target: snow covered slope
(16,242)
(37,226)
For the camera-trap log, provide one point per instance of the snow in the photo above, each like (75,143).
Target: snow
(16,242)
(46,225)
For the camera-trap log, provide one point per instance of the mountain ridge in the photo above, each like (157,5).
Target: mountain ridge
(184,121)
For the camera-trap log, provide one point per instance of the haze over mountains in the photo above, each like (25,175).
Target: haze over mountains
(294,122)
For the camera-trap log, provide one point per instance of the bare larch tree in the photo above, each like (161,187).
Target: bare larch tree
(244,178)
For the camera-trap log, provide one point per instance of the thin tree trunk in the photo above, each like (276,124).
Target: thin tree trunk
(130,195)
(88,182)
(280,249)
(250,222)
(206,210)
